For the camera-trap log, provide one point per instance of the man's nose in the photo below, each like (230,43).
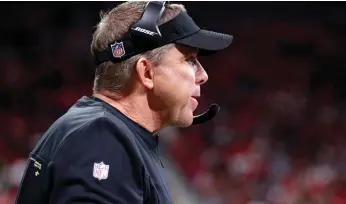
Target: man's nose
(201,75)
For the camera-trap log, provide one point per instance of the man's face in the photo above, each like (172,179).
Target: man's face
(177,85)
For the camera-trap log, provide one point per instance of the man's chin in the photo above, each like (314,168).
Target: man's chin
(183,123)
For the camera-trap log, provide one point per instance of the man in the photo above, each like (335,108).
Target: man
(104,149)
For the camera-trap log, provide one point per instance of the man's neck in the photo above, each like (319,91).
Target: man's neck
(136,109)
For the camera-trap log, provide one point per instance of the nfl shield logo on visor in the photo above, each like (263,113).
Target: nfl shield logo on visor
(118,49)
(100,171)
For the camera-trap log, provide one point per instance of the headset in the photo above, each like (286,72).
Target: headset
(146,35)
(143,36)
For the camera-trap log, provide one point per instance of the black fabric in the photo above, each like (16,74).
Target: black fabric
(208,42)
(93,133)
(36,173)
(107,54)
(181,29)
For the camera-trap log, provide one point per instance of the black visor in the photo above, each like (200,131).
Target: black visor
(208,42)
(183,30)
(145,36)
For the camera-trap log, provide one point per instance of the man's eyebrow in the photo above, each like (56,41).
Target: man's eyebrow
(191,52)
(194,51)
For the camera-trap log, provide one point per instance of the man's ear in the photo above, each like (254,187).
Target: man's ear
(145,72)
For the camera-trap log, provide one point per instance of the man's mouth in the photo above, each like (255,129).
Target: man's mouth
(194,102)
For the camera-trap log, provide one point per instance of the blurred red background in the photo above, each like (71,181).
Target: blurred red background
(279,137)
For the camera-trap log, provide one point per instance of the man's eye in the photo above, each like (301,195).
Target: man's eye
(192,61)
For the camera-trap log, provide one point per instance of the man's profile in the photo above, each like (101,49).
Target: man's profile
(104,148)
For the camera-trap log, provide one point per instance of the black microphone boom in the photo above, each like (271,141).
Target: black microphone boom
(207,115)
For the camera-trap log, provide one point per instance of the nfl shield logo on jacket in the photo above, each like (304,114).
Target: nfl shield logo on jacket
(100,171)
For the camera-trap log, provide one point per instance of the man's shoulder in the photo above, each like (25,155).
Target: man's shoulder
(82,121)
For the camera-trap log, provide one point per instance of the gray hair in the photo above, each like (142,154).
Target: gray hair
(114,25)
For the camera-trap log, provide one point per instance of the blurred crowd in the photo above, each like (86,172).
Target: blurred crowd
(279,137)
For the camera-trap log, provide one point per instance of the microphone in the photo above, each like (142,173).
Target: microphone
(207,115)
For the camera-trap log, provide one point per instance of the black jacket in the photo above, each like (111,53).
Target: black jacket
(94,154)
